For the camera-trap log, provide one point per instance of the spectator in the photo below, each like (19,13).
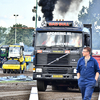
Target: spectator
(4,60)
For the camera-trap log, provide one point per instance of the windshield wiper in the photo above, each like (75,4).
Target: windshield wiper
(57,59)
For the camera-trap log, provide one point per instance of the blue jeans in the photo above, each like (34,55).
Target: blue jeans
(86,92)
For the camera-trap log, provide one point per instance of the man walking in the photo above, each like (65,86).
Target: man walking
(87,73)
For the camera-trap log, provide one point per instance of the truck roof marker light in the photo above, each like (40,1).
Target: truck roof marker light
(56,19)
(39,51)
(62,19)
(67,51)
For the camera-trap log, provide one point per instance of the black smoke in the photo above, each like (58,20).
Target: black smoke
(47,8)
(63,7)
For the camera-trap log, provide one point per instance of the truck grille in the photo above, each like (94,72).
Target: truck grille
(47,58)
(52,57)
(57,71)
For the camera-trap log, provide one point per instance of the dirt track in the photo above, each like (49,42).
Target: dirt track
(21,91)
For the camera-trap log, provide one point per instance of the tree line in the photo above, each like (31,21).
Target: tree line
(23,34)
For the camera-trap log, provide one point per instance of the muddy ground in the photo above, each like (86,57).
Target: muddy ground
(21,91)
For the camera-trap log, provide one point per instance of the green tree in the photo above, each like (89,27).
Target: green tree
(91,15)
(3,32)
(23,34)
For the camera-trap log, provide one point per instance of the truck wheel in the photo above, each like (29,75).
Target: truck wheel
(79,89)
(15,71)
(20,71)
(96,89)
(4,70)
(8,70)
(54,87)
(41,85)
(11,70)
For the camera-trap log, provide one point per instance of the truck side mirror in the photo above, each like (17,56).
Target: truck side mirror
(33,39)
(23,48)
(87,39)
(33,43)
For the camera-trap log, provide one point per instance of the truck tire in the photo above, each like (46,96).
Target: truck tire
(54,87)
(20,71)
(8,70)
(11,70)
(96,89)
(16,71)
(41,85)
(4,70)
(79,89)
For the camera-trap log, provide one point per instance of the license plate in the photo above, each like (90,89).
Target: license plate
(57,76)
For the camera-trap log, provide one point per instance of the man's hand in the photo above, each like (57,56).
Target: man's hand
(78,75)
(96,76)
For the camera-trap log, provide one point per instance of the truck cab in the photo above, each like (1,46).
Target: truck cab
(57,48)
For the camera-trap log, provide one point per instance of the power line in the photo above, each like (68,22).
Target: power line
(23,27)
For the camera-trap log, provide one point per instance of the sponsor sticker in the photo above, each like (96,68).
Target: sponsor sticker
(67,51)
(46,51)
(39,51)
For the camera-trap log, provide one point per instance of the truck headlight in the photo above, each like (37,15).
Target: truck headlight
(74,70)
(38,69)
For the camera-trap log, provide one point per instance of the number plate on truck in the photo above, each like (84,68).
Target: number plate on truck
(57,76)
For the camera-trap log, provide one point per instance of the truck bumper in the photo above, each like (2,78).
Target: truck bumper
(58,80)
(11,66)
(38,76)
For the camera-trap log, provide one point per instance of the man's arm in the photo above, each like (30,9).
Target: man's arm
(78,75)
(96,76)
(97,69)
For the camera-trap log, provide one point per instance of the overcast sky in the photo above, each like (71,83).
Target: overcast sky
(24,9)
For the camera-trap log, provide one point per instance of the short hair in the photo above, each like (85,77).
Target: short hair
(88,49)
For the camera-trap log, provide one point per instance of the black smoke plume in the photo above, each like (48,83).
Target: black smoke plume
(63,7)
(47,8)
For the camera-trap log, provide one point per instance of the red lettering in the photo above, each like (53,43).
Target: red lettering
(50,24)
(60,24)
(56,24)
(67,24)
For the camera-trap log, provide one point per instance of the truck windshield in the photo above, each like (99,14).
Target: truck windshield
(68,39)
